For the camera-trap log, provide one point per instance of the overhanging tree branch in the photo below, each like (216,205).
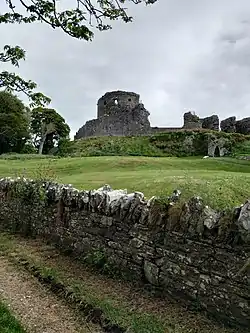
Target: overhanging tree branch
(12,54)
(78,22)
(72,21)
(12,82)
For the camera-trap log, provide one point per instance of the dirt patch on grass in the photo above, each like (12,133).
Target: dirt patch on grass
(116,294)
(37,309)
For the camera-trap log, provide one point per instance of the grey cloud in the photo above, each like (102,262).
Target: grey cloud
(220,79)
(178,55)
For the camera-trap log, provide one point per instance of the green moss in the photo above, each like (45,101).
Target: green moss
(99,260)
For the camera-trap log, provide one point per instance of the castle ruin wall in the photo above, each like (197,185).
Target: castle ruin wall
(120,113)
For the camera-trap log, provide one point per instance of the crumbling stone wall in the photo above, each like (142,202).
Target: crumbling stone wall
(228,125)
(116,100)
(133,122)
(231,125)
(218,146)
(154,130)
(211,123)
(243,126)
(190,251)
(191,121)
(119,113)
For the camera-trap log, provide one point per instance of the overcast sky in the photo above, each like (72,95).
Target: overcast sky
(178,55)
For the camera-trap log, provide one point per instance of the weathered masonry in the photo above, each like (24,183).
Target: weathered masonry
(192,252)
(121,113)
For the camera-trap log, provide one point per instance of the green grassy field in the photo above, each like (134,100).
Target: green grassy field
(8,323)
(222,182)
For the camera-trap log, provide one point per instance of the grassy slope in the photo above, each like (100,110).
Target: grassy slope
(222,182)
(161,144)
(8,323)
(243,148)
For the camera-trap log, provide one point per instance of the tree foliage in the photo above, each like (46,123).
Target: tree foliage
(13,82)
(47,128)
(77,21)
(14,123)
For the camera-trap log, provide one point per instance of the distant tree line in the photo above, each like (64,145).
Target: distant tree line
(25,130)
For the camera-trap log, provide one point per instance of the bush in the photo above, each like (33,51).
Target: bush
(65,147)
(28,149)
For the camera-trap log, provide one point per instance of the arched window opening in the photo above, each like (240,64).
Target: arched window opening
(217,152)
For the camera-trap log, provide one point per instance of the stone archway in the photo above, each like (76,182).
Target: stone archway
(217,146)
(216,152)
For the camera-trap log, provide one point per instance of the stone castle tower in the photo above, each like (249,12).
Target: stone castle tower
(118,113)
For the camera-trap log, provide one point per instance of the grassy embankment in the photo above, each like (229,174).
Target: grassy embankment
(179,144)
(222,182)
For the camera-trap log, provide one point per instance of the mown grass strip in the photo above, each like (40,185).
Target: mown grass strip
(8,323)
(112,318)
(116,310)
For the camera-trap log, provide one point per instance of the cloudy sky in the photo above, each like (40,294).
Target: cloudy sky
(178,55)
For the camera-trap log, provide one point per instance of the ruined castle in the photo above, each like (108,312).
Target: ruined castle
(121,113)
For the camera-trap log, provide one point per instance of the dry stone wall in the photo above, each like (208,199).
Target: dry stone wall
(190,251)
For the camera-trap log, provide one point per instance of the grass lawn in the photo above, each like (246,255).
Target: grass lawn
(8,323)
(222,182)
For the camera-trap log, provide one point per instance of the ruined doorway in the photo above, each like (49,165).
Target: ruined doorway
(217,152)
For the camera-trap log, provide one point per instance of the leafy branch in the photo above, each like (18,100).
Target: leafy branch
(12,82)
(77,23)
(72,21)
(12,54)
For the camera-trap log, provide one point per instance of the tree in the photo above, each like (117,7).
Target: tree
(14,123)
(47,128)
(13,82)
(77,23)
